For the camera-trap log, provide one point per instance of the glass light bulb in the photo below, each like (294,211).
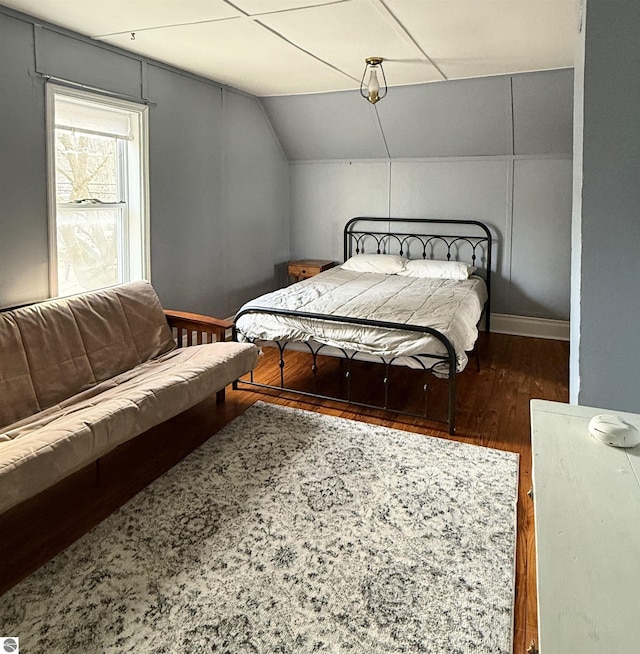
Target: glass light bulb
(373,87)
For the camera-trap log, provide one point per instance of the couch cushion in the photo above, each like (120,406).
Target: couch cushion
(121,327)
(16,388)
(56,355)
(71,344)
(40,450)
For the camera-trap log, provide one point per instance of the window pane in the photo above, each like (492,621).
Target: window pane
(88,245)
(98,189)
(86,167)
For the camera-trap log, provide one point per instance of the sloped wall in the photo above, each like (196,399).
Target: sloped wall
(206,142)
(496,149)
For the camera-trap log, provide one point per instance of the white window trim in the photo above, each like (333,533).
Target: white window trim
(143,172)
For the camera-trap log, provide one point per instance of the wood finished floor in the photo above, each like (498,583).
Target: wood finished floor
(492,411)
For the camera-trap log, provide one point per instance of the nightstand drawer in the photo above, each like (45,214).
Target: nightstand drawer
(305,268)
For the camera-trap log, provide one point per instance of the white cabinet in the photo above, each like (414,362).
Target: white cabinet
(587,519)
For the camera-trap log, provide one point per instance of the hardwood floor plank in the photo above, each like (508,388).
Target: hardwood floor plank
(493,411)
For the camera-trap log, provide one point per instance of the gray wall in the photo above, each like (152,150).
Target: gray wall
(217,173)
(227,210)
(496,149)
(605,359)
(23,198)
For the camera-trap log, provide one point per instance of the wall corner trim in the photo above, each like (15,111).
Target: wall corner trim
(503,323)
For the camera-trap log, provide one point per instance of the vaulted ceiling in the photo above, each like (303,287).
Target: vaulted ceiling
(284,47)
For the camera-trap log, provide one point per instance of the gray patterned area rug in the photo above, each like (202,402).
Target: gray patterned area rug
(291,532)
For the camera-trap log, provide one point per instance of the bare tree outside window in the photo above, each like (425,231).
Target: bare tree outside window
(98,190)
(88,238)
(86,167)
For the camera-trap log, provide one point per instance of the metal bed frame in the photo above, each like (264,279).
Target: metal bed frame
(359,240)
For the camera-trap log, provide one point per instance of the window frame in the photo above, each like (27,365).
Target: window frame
(137,212)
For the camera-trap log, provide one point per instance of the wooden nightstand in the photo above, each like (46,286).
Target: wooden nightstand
(305,268)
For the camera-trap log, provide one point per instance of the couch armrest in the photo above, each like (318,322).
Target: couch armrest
(196,328)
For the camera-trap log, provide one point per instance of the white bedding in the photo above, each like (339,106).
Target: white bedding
(452,307)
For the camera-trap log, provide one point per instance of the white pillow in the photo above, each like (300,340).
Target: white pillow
(431,269)
(389,264)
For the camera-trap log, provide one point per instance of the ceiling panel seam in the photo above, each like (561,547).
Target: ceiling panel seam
(283,11)
(385,9)
(233,6)
(137,30)
(245,17)
(307,52)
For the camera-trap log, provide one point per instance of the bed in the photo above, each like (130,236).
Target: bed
(410,294)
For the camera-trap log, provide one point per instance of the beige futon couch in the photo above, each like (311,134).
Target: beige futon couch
(81,375)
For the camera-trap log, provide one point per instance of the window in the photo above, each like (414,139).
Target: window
(98,191)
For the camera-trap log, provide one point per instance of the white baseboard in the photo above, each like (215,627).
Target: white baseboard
(503,323)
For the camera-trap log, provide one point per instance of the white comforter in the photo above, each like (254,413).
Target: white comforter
(451,307)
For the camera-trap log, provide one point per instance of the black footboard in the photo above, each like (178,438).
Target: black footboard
(444,364)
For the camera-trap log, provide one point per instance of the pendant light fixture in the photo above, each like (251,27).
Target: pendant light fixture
(372,91)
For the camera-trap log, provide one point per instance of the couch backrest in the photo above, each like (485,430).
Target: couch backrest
(52,350)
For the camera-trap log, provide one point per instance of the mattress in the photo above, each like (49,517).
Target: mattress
(452,307)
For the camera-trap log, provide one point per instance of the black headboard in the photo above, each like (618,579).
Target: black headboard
(424,238)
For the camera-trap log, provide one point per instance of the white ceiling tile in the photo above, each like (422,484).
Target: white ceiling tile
(255,7)
(96,17)
(343,34)
(215,39)
(474,38)
(238,53)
